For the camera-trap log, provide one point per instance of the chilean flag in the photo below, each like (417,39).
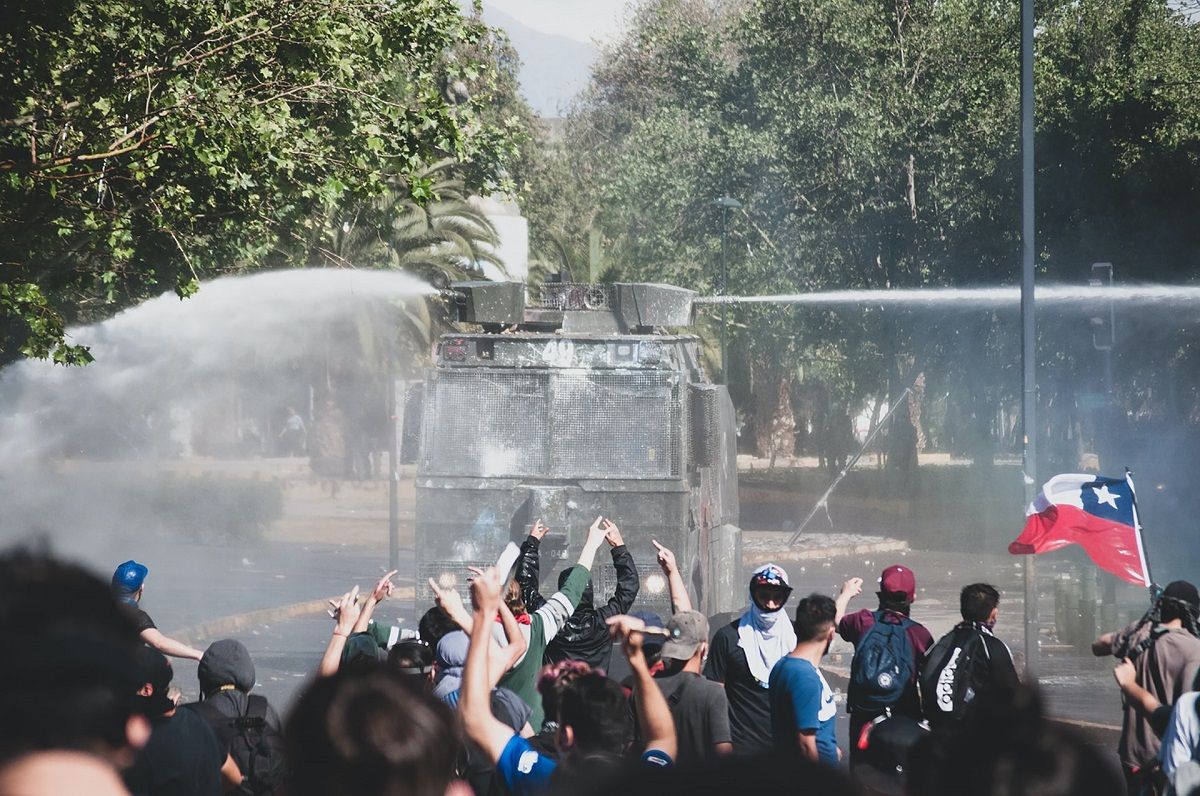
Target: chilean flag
(1099,514)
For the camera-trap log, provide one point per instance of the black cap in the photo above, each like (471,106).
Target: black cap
(1184,592)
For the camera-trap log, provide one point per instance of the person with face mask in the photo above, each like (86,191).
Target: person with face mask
(744,652)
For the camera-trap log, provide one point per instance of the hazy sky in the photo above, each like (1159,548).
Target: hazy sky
(582,20)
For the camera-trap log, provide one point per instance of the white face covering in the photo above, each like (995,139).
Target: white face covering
(765,636)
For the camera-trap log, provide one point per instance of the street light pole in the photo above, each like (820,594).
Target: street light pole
(395,427)
(727,203)
(1028,330)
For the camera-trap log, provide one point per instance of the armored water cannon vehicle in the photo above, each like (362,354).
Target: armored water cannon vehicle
(563,403)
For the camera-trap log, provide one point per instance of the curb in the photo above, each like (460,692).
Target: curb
(752,556)
(228,625)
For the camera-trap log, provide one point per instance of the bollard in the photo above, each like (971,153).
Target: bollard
(1087,609)
(1108,617)
(1108,604)
(1061,625)
(1071,612)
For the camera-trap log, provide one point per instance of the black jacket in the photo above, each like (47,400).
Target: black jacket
(585,635)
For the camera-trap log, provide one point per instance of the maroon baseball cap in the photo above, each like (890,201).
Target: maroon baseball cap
(898,580)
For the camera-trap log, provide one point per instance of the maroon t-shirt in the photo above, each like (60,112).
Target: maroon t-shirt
(854,626)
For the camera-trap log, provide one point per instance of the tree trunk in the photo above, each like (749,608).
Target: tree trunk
(774,423)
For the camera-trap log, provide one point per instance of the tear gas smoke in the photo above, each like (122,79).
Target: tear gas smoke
(220,366)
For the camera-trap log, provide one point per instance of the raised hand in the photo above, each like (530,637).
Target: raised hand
(486,587)
(852,587)
(666,559)
(384,588)
(447,599)
(612,534)
(538,530)
(596,533)
(630,631)
(346,613)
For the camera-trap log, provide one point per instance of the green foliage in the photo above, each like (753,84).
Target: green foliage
(147,146)
(442,236)
(208,507)
(875,144)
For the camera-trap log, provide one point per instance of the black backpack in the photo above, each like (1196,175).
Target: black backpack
(255,746)
(882,666)
(952,670)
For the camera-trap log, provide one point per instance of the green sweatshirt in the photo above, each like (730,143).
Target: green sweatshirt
(544,626)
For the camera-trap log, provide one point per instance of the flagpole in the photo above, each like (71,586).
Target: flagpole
(1137,534)
(1028,334)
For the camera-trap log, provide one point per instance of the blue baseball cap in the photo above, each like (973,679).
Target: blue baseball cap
(129,577)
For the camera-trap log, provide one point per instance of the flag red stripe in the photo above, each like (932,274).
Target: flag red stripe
(1111,545)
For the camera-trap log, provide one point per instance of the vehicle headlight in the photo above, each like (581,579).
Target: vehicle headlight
(656,584)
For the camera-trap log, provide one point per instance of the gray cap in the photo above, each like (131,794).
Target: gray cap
(688,630)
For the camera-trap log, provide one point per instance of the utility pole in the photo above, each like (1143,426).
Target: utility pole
(1028,332)
(727,203)
(395,427)
(1104,337)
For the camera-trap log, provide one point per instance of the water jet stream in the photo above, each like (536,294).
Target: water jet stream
(1001,297)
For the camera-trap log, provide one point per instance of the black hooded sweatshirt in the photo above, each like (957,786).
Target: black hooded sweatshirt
(585,635)
(227,663)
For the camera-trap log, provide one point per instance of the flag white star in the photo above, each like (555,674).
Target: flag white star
(1104,496)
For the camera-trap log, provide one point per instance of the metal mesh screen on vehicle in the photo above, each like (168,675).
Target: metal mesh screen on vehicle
(565,423)
(486,423)
(448,574)
(610,425)
(604,585)
(574,296)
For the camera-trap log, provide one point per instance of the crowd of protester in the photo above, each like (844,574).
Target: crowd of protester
(508,692)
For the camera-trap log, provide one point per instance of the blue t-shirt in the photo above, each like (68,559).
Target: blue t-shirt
(527,771)
(802,700)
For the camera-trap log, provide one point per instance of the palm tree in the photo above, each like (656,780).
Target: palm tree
(444,237)
(438,240)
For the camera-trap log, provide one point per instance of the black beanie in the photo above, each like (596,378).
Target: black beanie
(1184,592)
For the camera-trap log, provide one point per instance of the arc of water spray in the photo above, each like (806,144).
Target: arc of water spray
(981,296)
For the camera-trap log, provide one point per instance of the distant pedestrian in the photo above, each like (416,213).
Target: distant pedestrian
(129,584)
(698,705)
(967,662)
(744,652)
(292,436)
(889,650)
(803,711)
